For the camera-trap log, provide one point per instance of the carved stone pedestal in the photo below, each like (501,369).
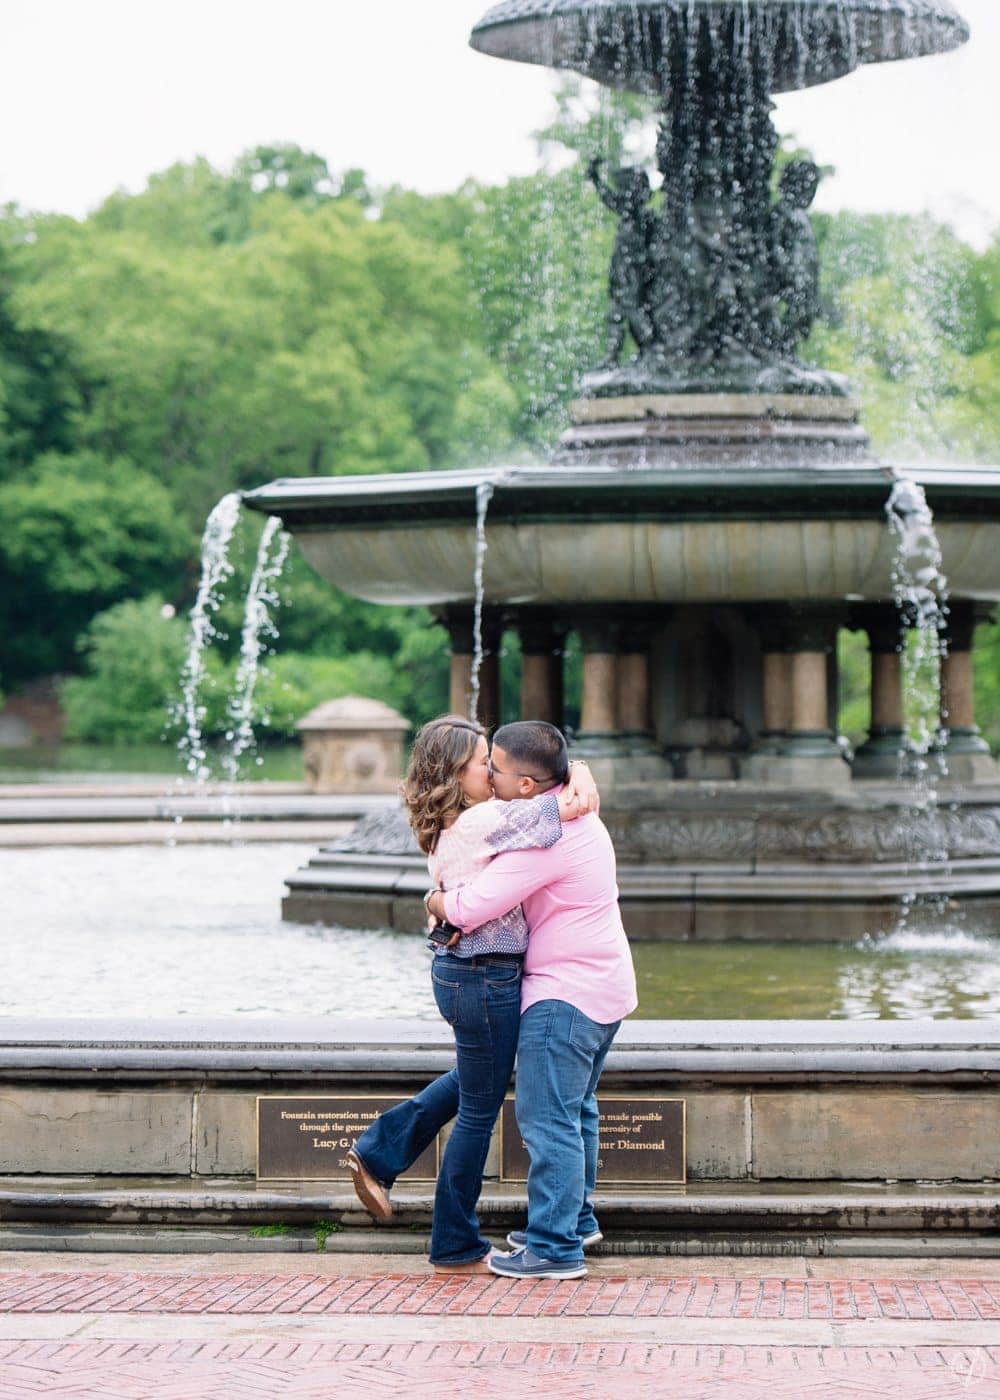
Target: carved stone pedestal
(644,429)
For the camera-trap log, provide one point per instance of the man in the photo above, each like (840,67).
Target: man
(578,985)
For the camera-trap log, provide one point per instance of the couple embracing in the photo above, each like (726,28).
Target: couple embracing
(536,964)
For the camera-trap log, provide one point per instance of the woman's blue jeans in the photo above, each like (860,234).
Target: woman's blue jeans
(480,998)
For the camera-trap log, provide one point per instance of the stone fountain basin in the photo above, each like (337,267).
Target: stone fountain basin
(636,44)
(610,534)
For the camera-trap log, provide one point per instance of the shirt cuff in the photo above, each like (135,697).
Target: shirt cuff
(451,913)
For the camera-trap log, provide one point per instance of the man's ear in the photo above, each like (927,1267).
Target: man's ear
(525,787)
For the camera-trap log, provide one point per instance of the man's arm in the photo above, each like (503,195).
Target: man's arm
(504,884)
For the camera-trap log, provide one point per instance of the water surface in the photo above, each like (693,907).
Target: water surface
(197,930)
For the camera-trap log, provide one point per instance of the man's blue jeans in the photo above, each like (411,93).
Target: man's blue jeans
(560,1055)
(480,998)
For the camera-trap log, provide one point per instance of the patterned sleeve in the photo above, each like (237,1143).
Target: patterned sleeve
(526,825)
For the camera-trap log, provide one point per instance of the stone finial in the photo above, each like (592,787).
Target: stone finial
(353,745)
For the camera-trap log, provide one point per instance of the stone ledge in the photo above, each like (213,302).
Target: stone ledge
(97,1066)
(242,805)
(306,1050)
(726,1206)
(53,1240)
(204,832)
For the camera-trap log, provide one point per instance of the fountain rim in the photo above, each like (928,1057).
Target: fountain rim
(504,18)
(495,18)
(540,493)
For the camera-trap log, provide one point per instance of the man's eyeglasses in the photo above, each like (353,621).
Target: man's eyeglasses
(492,770)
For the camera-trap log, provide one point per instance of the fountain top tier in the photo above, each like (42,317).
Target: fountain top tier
(641,45)
(673,535)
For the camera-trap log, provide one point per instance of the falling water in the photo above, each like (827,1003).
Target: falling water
(484,494)
(215,570)
(258,629)
(920,592)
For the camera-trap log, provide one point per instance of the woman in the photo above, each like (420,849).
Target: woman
(476,978)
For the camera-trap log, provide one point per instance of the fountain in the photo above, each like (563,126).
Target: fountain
(709,521)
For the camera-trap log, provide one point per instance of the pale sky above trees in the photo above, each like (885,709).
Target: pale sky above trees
(97,94)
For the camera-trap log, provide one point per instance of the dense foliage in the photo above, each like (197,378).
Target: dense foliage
(222,328)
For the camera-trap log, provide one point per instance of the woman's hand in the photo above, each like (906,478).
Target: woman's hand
(434,904)
(580,794)
(569,805)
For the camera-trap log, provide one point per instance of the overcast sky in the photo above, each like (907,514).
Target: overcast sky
(97,94)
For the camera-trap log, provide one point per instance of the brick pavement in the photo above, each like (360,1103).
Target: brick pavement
(697,1296)
(112,1332)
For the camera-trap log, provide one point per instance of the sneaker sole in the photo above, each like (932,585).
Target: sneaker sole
(581,1272)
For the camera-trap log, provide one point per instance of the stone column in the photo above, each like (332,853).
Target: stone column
(776,679)
(807,754)
(777,694)
(459,621)
(599,698)
(883,753)
(489,672)
(966,752)
(615,686)
(633,704)
(543,642)
(813,638)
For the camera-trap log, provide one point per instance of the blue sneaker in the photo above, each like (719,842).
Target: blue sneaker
(523,1264)
(518,1239)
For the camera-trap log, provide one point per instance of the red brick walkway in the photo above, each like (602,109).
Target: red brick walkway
(196,1371)
(701,1296)
(593,1354)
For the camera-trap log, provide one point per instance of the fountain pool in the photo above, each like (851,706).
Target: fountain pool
(155,931)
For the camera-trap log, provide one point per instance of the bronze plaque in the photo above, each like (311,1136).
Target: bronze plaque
(642,1143)
(306,1138)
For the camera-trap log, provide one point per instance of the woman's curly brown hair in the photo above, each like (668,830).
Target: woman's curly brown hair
(431,789)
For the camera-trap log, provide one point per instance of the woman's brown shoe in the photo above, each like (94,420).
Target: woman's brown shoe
(371,1193)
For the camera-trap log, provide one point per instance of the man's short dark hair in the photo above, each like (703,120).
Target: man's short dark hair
(538,749)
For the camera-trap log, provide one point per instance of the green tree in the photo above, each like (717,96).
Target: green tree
(132,655)
(40,392)
(219,365)
(907,316)
(76,534)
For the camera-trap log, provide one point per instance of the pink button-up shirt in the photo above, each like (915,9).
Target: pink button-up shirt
(577,949)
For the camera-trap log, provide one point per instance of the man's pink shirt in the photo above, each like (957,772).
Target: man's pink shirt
(577,949)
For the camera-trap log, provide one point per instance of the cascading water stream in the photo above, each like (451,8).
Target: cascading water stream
(484,494)
(215,570)
(920,592)
(258,629)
